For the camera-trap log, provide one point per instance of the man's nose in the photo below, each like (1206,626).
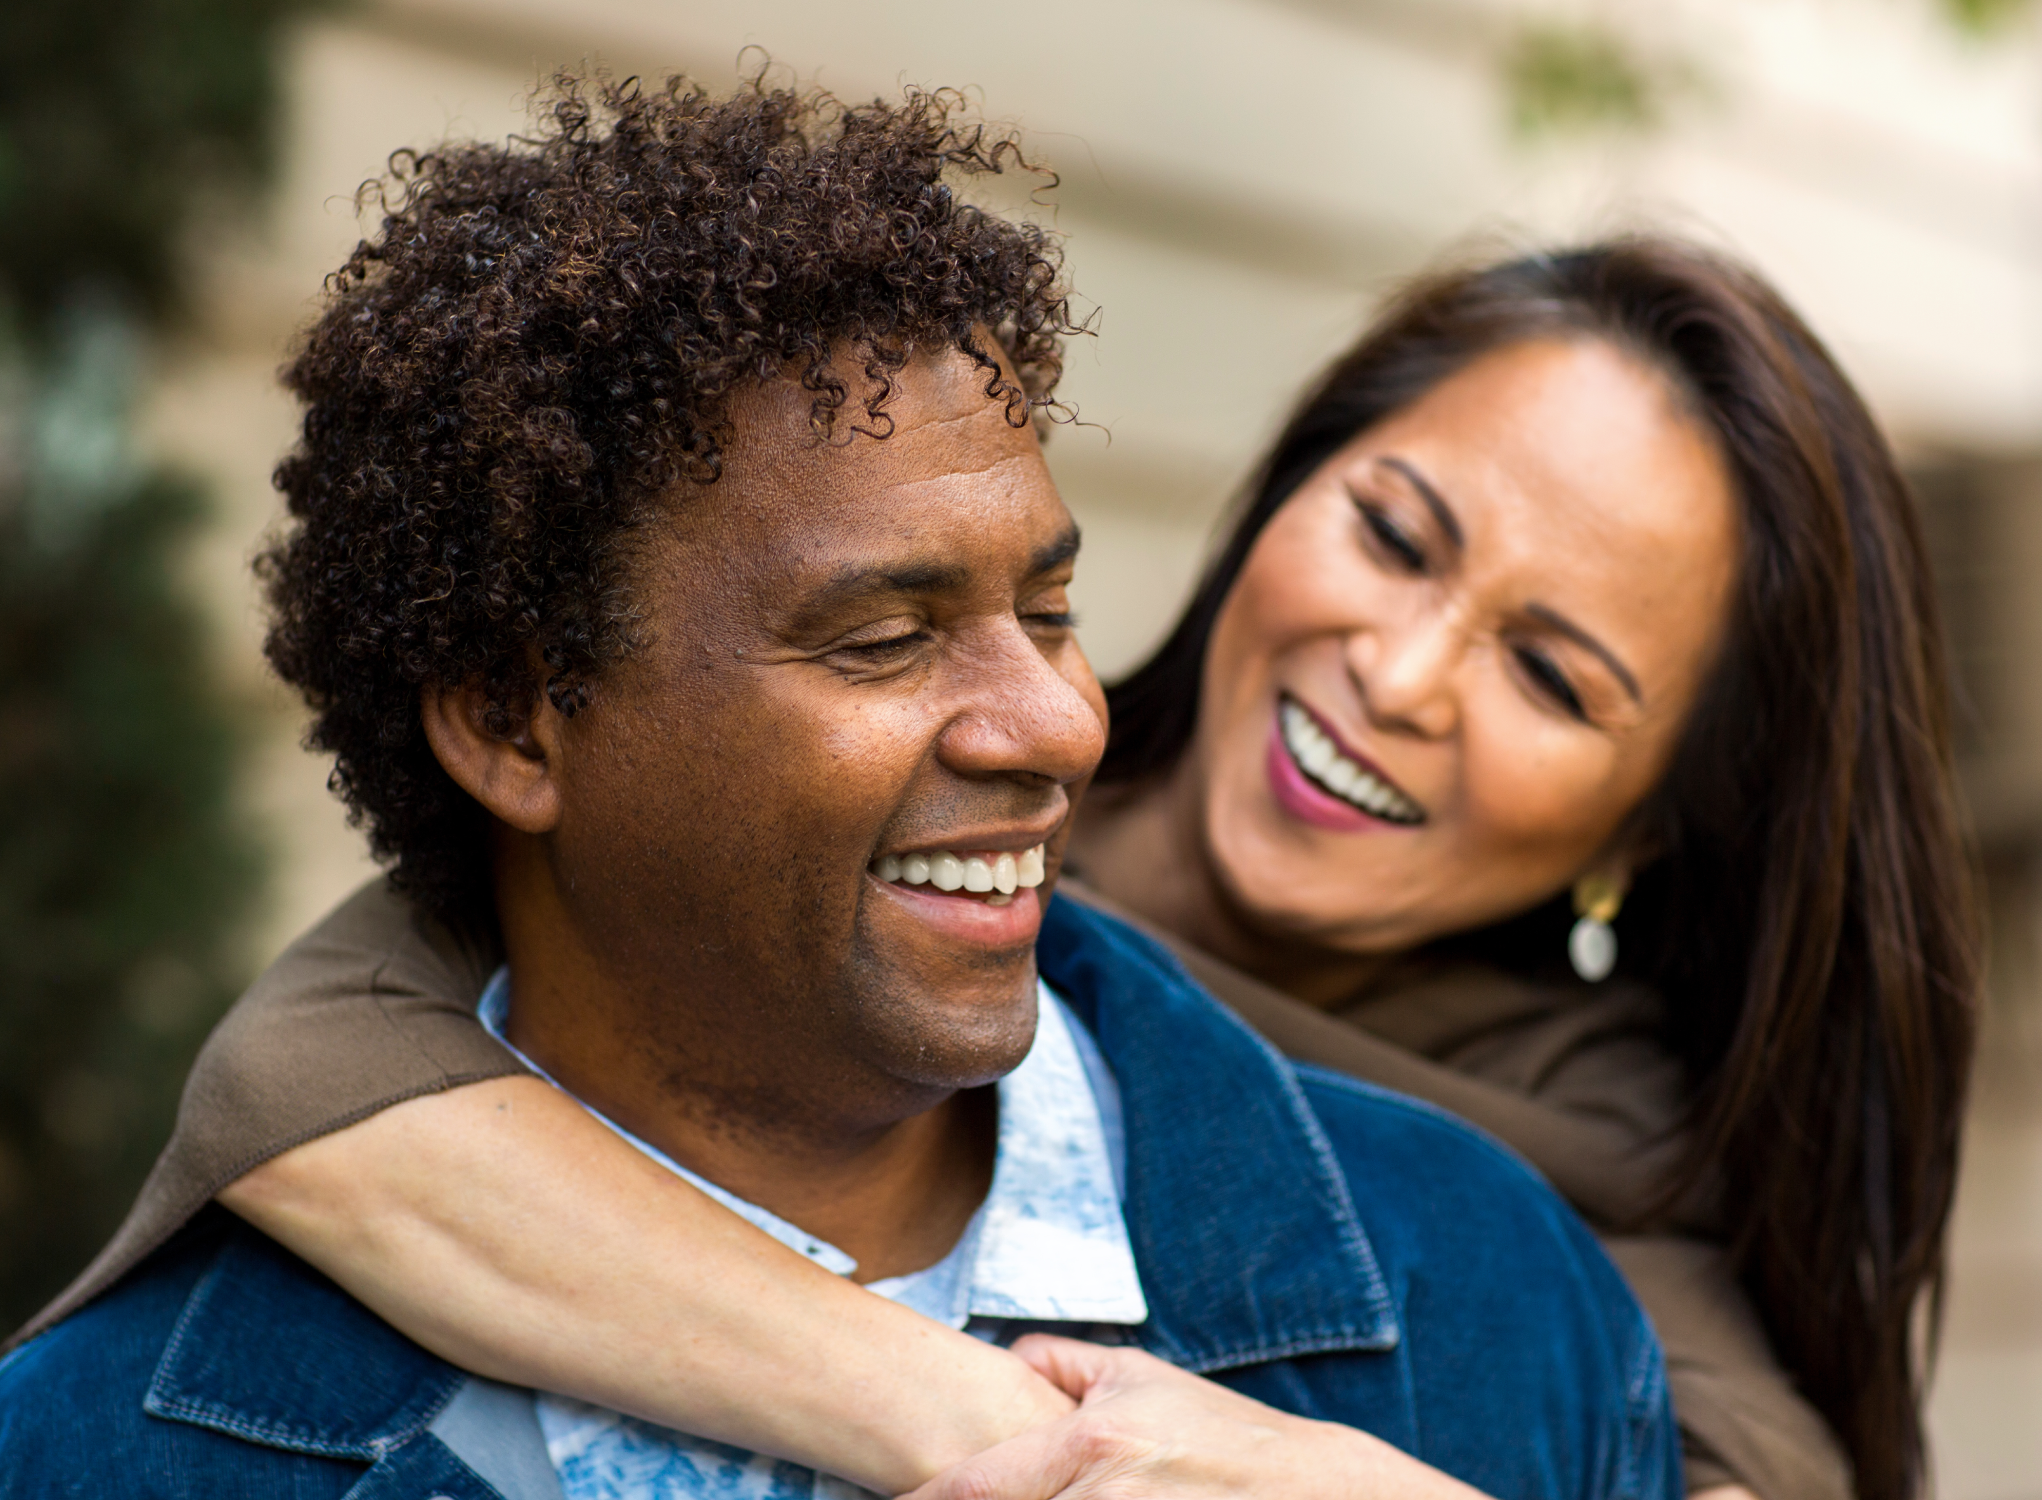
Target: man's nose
(1407,674)
(1018,715)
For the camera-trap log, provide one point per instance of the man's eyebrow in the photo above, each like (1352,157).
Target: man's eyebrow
(854,583)
(1053,555)
(1554,620)
(1434,501)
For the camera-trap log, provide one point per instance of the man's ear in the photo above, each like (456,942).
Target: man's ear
(515,774)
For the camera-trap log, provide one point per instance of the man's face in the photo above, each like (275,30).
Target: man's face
(852,653)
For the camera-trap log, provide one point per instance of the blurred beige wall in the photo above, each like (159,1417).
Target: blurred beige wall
(1241,183)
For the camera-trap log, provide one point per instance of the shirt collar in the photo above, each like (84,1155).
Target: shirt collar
(1048,1244)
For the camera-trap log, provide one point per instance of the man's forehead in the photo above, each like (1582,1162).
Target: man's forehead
(951,492)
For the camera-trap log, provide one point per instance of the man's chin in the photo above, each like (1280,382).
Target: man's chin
(952,1024)
(951,1060)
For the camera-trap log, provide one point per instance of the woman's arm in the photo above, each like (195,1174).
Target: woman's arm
(504,1229)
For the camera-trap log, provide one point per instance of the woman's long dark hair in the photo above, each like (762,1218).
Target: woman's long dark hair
(1810,918)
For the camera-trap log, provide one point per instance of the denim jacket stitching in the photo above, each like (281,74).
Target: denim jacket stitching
(292,1437)
(1646,1379)
(1385,1329)
(1382,1329)
(1644,1395)
(1347,1340)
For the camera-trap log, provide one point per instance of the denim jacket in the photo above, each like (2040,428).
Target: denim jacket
(1321,1245)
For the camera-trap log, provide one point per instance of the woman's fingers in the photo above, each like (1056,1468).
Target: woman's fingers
(1073,1366)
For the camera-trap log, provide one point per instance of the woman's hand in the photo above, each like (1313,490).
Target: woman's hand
(1145,1428)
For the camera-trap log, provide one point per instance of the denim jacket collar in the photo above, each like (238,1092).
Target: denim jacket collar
(1249,1243)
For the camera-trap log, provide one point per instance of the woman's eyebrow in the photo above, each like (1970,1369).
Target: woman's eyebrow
(1554,620)
(1434,501)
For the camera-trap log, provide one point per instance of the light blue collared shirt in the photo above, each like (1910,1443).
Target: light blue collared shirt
(1048,1245)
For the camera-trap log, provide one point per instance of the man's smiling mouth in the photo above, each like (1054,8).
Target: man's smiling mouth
(1331,771)
(993,876)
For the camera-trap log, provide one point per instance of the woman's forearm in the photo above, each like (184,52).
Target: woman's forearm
(501,1227)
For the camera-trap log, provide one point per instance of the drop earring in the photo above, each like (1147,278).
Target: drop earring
(1592,945)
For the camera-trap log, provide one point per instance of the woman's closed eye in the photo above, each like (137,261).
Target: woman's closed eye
(1546,679)
(1389,539)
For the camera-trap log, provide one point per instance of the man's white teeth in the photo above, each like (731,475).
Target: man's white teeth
(996,878)
(1311,747)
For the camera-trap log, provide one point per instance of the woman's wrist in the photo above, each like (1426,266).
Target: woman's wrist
(964,1398)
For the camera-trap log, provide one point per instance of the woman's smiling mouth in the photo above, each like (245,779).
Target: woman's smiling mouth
(1312,754)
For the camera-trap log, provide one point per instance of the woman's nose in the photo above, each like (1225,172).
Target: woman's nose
(1406,675)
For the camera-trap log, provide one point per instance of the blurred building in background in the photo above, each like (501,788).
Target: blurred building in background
(1242,180)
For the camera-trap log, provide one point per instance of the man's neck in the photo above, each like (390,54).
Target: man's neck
(895,1198)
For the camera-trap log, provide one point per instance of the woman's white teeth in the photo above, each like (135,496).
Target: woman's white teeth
(997,878)
(1311,747)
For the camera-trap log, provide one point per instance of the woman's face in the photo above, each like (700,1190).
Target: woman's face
(1461,654)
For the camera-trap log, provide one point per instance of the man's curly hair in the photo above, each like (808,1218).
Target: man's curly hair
(544,337)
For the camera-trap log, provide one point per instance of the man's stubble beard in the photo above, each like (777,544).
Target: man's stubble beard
(903,1029)
(859,1045)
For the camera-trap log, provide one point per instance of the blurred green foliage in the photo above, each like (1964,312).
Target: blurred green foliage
(1579,78)
(122,124)
(1985,17)
(130,131)
(1575,79)
(124,872)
